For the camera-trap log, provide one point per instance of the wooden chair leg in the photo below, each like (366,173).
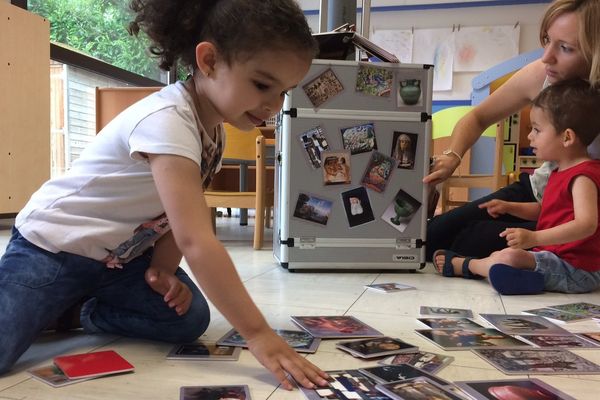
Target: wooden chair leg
(259,228)
(213,218)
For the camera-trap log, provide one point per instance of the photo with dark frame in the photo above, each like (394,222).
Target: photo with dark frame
(314,142)
(323,87)
(445,311)
(313,209)
(512,324)
(374,81)
(424,360)
(401,210)
(378,172)
(234,392)
(336,167)
(359,138)
(461,339)
(404,149)
(376,347)
(344,385)
(449,323)
(204,351)
(555,341)
(416,389)
(399,372)
(357,206)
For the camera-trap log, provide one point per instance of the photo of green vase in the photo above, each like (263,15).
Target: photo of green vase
(410,91)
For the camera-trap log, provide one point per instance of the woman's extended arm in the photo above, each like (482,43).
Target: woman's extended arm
(512,96)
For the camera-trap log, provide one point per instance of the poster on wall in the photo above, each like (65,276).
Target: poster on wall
(399,42)
(481,47)
(435,46)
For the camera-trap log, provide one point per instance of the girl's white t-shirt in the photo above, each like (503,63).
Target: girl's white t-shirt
(107,207)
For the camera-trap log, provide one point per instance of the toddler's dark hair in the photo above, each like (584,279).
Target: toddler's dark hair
(573,104)
(238,28)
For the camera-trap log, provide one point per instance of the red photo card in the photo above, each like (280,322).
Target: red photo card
(93,364)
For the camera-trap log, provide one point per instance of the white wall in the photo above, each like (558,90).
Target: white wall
(527,15)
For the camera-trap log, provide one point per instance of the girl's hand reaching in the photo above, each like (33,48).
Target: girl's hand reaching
(275,355)
(176,293)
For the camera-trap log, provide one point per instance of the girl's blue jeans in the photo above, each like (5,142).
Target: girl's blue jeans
(37,286)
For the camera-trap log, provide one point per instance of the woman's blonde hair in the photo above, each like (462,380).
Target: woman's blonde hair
(588,15)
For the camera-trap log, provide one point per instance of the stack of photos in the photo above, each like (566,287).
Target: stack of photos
(374,81)
(376,347)
(555,341)
(464,339)
(404,149)
(592,336)
(53,376)
(336,167)
(359,138)
(237,392)
(357,206)
(538,361)
(335,326)
(445,312)
(378,172)
(300,341)
(424,360)
(449,323)
(416,388)
(314,143)
(563,313)
(402,209)
(390,287)
(345,385)
(204,352)
(323,88)
(313,209)
(400,372)
(530,389)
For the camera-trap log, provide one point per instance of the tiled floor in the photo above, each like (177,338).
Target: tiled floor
(281,294)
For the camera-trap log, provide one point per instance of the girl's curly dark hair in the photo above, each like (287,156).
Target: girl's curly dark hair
(238,28)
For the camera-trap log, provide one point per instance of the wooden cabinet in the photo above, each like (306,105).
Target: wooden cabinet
(24,105)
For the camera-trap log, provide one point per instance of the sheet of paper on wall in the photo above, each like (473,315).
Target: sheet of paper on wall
(397,41)
(479,48)
(435,46)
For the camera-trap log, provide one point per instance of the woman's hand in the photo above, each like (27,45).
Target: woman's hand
(496,208)
(441,168)
(279,358)
(175,293)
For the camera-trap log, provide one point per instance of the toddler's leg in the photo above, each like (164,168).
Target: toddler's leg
(124,304)
(35,289)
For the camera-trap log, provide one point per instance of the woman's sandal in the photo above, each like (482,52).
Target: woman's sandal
(448,268)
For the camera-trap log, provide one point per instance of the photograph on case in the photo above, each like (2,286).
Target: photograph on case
(449,323)
(344,385)
(404,148)
(323,88)
(530,389)
(409,92)
(461,339)
(204,351)
(314,142)
(537,361)
(359,138)
(237,392)
(357,206)
(416,389)
(565,342)
(378,172)
(336,167)
(424,360)
(374,81)
(300,341)
(336,326)
(376,347)
(445,312)
(389,287)
(523,324)
(401,210)
(313,209)
(394,373)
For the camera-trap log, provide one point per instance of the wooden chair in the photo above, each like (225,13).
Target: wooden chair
(246,148)
(445,120)
(110,101)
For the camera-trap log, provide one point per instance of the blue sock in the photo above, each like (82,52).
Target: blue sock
(508,280)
